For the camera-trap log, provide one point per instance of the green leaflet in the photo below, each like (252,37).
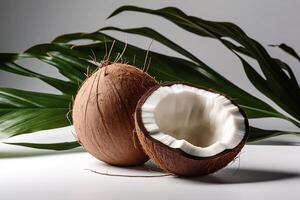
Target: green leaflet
(257,134)
(288,50)
(260,83)
(49,146)
(26,112)
(8,63)
(68,62)
(20,98)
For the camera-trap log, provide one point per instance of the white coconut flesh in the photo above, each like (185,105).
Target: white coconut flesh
(199,122)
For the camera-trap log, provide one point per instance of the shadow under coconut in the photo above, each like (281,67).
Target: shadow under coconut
(238,176)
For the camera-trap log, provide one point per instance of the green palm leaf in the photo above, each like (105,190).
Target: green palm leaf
(23,112)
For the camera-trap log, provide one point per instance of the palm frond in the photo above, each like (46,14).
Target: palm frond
(23,112)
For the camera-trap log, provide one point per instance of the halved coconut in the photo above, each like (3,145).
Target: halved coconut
(188,130)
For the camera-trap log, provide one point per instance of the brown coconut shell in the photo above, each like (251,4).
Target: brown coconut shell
(175,160)
(103,113)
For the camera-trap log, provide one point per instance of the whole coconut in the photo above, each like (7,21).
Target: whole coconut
(103,113)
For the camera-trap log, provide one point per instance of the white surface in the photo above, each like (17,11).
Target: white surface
(259,176)
(261,172)
(174,115)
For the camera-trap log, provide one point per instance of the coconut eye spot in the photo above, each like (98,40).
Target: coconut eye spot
(198,122)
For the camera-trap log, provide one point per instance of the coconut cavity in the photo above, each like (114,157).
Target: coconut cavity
(199,122)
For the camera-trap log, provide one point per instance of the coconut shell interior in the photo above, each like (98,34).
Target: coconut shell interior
(175,160)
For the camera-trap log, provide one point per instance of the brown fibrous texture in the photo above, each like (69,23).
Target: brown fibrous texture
(176,161)
(103,113)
